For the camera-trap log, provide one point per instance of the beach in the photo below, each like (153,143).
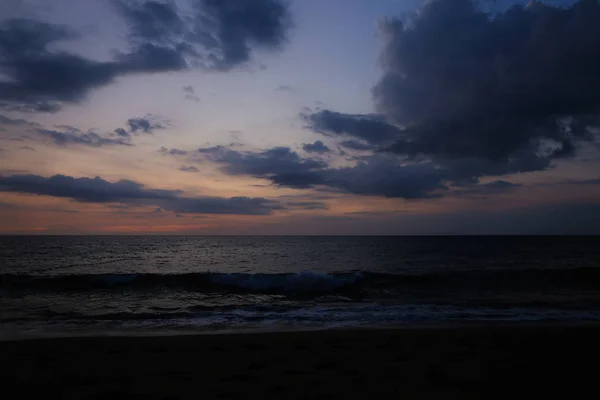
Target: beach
(493,361)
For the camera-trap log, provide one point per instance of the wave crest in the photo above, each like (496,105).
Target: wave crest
(355,283)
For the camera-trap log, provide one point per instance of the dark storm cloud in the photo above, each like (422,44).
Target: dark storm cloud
(316,147)
(373,175)
(152,20)
(76,137)
(297,180)
(95,190)
(370,128)
(39,79)
(218,205)
(377,175)
(229,29)
(151,58)
(384,176)
(162,37)
(172,152)
(464,84)
(281,165)
(275,161)
(98,190)
(217,34)
(471,168)
(480,94)
(189,168)
(357,145)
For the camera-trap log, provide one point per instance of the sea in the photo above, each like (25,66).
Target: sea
(152,285)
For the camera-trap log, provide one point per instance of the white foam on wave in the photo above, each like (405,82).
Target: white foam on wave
(361,315)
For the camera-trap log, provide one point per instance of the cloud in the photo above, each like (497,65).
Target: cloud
(26,148)
(218,205)
(65,135)
(216,35)
(151,58)
(76,137)
(13,129)
(316,147)
(152,21)
(281,165)
(385,176)
(378,175)
(189,168)
(583,182)
(4,120)
(370,128)
(39,79)
(11,206)
(190,93)
(462,83)
(94,190)
(357,145)
(478,94)
(121,133)
(230,29)
(172,152)
(98,190)
(147,124)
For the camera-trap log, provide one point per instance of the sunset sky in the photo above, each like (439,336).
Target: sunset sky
(299,117)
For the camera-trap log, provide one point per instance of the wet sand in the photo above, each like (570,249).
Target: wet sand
(464,362)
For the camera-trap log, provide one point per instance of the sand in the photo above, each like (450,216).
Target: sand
(465,362)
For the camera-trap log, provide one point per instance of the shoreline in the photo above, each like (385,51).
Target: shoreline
(275,331)
(483,361)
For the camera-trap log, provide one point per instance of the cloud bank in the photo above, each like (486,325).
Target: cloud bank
(208,34)
(98,190)
(466,94)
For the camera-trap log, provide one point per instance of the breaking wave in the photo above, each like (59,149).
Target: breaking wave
(307,282)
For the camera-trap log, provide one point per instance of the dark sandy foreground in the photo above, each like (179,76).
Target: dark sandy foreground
(500,362)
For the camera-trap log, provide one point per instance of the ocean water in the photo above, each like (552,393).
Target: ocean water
(76,285)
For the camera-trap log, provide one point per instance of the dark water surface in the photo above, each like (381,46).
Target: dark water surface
(54,285)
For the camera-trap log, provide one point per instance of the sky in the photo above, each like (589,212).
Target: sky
(316,117)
